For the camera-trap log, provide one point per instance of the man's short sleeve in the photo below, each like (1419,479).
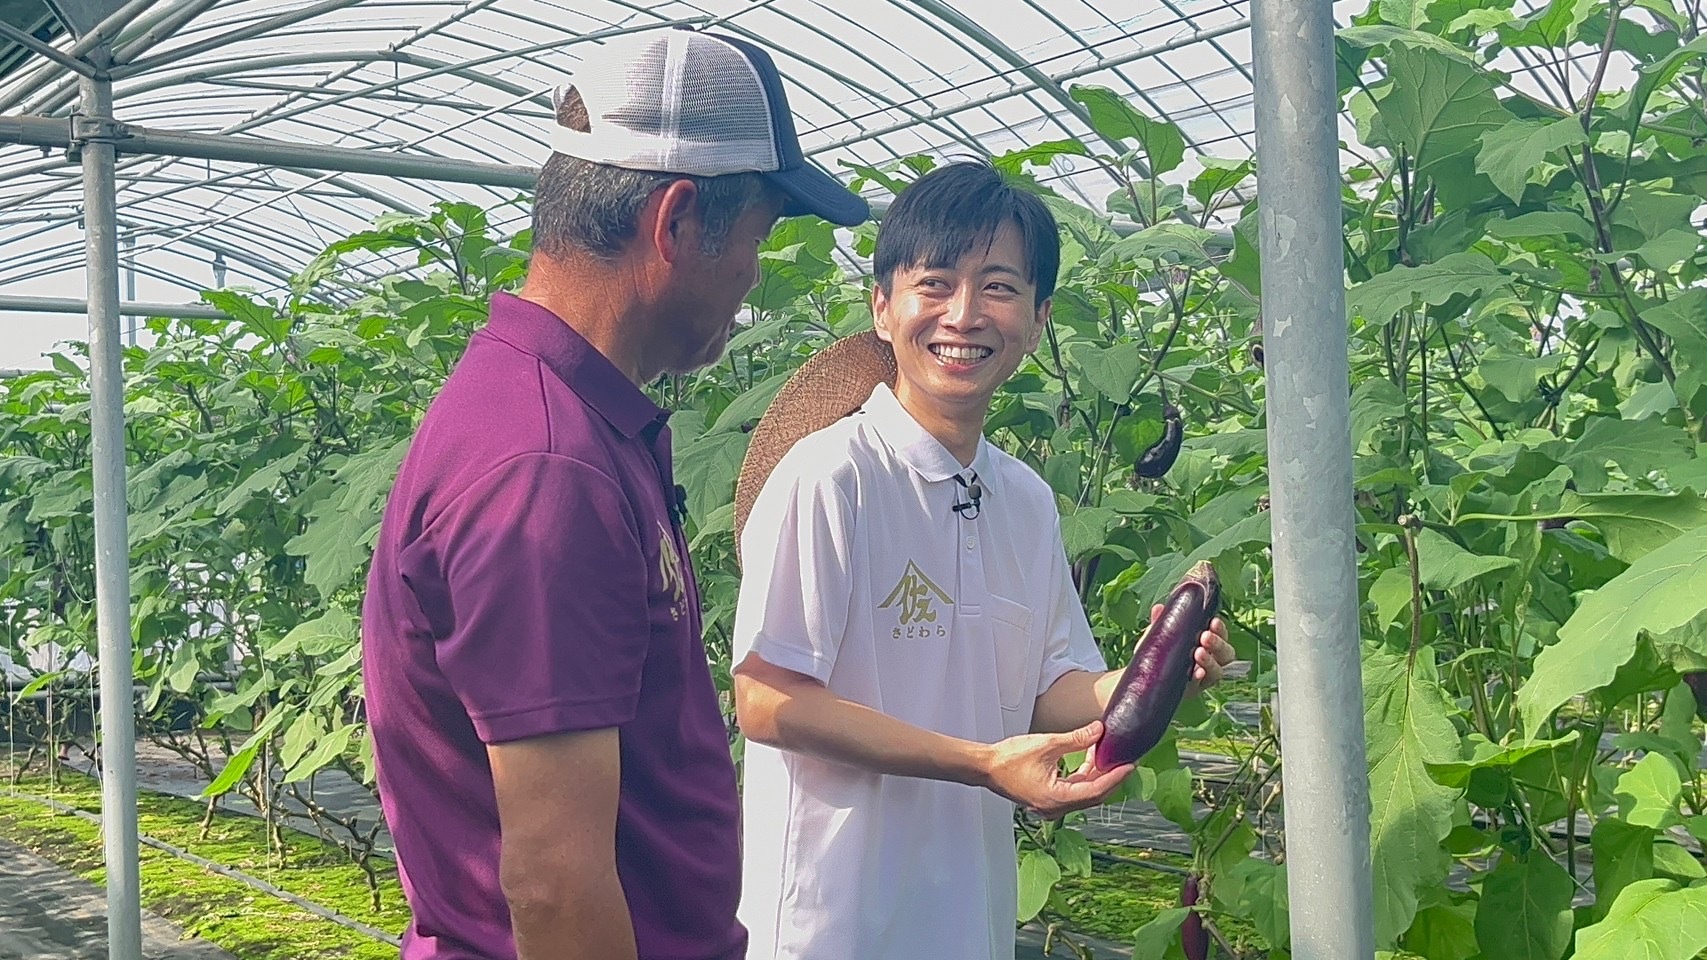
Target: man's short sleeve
(543,577)
(796,581)
(1069,644)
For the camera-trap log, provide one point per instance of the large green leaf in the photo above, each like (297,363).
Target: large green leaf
(751,404)
(1647,793)
(1684,320)
(1113,116)
(1525,913)
(330,632)
(1635,446)
(1392,595)
(1180,244)
(1669,858)
(1409,14)
(1656,75)
(1554,26)
(1623,854)
(1038,873)
(1085,529)
(1256,890)
(1164,573)
(1437,105)
(1444,931)
(1445,565)
(1408,727)
(1650,920)
(1543,223)
(1073,852)
(1158,939)
(1113,370)
(1656,224)
(1492,756)
(1512,153)
(263,480)
(1040,154)
(339,536)
(1382,296)
(1219,176)
(1661,592)
(1633,523)
(707,469)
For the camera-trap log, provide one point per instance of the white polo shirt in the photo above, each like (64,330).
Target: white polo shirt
(858,573)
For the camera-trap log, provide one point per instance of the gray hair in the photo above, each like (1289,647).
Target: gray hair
(594,209)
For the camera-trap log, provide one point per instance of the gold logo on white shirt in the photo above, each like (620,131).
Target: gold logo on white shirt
(918,597)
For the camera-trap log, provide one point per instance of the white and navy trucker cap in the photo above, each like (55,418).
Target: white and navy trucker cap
(701,104)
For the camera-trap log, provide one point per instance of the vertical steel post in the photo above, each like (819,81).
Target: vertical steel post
(1325,772)
(112,547)
(130,287)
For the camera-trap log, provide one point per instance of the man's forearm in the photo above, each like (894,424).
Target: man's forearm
(807,718)
(1074,700)
(588,919)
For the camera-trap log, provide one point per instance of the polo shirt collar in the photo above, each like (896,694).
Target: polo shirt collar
(915,445)
(533,329)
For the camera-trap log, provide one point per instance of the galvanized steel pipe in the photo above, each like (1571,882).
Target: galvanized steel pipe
(1324,768)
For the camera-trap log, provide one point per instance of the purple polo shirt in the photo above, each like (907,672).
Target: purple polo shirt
(530,579)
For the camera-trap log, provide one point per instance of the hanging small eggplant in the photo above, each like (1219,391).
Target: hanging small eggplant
(1151,688)
(1697,680)
(1192,934)
(1157,460)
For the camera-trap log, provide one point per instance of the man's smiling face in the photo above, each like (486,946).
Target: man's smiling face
(960,331)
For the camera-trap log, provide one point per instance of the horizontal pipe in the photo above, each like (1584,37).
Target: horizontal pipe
(132,139)
(127,308)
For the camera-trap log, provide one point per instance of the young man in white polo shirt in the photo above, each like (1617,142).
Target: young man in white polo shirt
(912,658)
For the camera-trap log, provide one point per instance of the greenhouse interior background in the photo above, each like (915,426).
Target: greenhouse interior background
(1521,338)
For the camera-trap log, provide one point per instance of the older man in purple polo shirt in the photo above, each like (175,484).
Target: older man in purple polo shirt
(550,754)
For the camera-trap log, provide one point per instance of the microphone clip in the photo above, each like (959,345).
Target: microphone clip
(969,508)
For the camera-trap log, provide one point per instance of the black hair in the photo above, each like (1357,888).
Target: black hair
(945,213)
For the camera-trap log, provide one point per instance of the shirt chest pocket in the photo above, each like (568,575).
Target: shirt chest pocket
(1016,652)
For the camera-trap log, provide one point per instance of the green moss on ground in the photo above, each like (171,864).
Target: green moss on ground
(251,925)
(1117,899)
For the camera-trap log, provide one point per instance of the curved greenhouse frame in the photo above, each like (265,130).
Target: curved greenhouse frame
(192,159)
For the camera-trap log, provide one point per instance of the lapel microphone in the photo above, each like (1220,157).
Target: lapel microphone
(974,491)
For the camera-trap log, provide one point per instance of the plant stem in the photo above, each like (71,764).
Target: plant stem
(1458,376)
(1409,524)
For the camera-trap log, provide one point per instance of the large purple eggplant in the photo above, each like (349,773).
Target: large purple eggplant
(1154,683)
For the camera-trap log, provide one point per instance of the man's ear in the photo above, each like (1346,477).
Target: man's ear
(672,216)
(1044,311)
(880,313)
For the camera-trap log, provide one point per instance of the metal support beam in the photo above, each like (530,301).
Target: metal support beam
(1098,65)
(960,21)
(10,303)
(132,139)
(44,50)
(112,539)
(100,39)
(1325,773)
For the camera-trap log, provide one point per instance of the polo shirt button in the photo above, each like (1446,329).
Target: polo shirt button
(970,543)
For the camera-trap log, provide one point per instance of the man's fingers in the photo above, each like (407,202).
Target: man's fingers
(1080,739)
(1068,796)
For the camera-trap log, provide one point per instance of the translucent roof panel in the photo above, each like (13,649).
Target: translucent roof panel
(868,80)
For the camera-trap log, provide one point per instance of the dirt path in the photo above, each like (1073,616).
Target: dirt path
(48,913)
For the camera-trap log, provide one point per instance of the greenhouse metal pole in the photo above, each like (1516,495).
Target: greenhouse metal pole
(112,549)
(1325,776)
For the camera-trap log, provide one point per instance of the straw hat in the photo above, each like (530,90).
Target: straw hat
(822,391)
